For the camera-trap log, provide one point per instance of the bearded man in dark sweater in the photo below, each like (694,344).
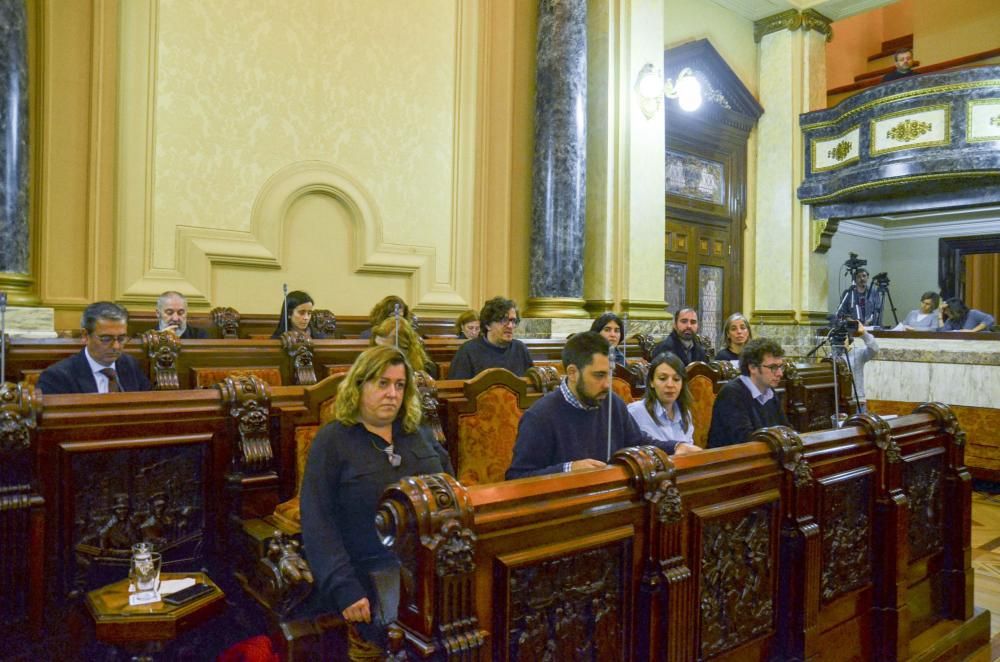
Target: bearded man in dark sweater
(495,347)
(749,402)
(683,340)
(567,430)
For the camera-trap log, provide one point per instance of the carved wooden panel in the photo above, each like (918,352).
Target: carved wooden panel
(121,497)
(737,578)
(922,482)
(568,607)
(847,535)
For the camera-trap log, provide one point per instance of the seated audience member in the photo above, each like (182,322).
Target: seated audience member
(903,59)
(749,402)
(612,328)
(568,428)
(171,311)
(400,334)
(374,441)
(383,310)
(683,340)
(299,307)
(664,413)
(100,367)
(956,316)
(735,334)
(495,347)
(857,357)
(467,325)
(927,318)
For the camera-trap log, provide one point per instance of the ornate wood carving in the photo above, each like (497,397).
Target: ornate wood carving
(162,348)
(726,369)
(646,344)
(707,345)
(568,608)
(282,578)
(324,322)
(299,347)
(655,473)
(787,444)
(427,388)
(847,547)
(143,494)
(922,482)
(736,579)
(20,555)
(881,433)
(249,403)
(947,418)
(543,377)
(228,321)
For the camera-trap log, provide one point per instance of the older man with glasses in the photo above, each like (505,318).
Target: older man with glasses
(101,366)
(749,403)
(495,347)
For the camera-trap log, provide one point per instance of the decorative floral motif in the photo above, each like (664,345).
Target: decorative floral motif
(840,152)
(486,438)
(847,560)
(995,121)
(908,130)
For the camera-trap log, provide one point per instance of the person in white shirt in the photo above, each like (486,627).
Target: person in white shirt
(925,319)
(857,357)
(665,411)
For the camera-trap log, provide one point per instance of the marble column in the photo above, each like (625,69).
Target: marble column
(789,278)
(560,162)
(13,138)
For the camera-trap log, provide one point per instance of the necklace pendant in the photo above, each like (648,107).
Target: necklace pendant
(395,459)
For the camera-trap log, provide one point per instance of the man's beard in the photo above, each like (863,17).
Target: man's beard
(586,399)
(181,328)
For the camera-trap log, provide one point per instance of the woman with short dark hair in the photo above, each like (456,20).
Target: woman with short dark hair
(374,441)
(612,328)
(926,317)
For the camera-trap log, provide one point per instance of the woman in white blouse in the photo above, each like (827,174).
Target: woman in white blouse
(925,319)
(665,412)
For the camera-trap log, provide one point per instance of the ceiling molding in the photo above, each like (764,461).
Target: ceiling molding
(870,230)
(835,10)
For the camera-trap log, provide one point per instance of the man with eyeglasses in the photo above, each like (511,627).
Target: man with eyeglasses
(749,402)
(495,347)
(101,366)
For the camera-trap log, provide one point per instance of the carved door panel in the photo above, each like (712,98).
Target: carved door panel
(698,262)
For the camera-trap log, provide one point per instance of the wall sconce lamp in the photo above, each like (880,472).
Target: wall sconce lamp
(687,90)
(649,87)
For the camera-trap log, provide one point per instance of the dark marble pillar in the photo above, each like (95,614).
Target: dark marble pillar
(560,164)
(13,137)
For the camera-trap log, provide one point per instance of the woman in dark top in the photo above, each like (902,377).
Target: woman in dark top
(467,325)
(956,316)
(735,333)
(375,441)
(612,328)
(300,307)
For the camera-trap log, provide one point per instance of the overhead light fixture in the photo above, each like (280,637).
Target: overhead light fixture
(687,90)
(648,85)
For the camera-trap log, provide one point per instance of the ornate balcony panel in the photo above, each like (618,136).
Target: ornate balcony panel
(930,141)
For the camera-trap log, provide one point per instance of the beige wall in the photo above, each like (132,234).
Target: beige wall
(730,34)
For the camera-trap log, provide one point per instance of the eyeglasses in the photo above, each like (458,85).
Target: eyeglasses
(509,321)
(774,367)
(107,340)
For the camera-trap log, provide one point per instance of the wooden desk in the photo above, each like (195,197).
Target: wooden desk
(147,627)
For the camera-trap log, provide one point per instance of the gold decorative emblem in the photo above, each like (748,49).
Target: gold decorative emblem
(995,121)
(840,152)
(908,130)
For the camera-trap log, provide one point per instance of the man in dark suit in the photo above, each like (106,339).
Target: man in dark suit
(171,310)
(749,402)
(100,367)
(683,340)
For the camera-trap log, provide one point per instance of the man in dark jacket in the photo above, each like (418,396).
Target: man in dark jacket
(496,346)
(683,340)
(171,310)
(101,366)
(749,402)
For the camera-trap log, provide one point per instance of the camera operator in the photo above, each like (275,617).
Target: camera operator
(857,357)
(859,302)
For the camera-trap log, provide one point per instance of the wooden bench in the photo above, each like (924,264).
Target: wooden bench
(831,545)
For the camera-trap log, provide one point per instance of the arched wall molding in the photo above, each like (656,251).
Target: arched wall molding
(199,249)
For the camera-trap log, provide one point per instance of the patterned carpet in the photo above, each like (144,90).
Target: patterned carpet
(986,554)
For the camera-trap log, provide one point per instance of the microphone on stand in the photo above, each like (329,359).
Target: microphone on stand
(284,305)
(395,314)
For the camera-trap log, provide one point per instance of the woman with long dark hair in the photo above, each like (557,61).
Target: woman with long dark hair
(296,315)
(956,316)
(665,411)
(612,328)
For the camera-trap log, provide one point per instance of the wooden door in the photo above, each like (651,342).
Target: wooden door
(697,273)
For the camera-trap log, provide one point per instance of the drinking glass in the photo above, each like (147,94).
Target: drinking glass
(146,571)
(838,420)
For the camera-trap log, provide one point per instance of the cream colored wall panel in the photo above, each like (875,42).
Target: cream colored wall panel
(226,97)
(983,120)
(837,151)
(909,129)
